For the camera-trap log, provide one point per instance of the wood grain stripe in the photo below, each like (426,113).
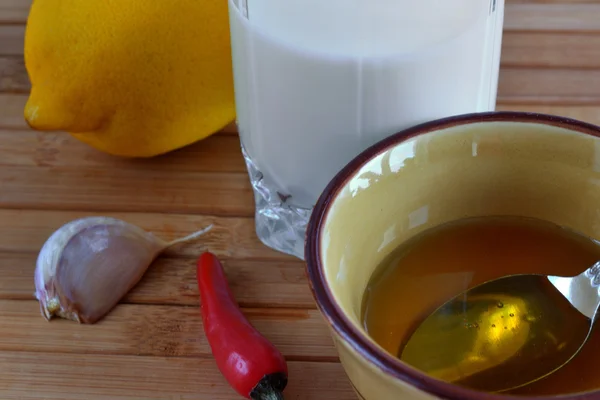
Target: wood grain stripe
(136,190)
(172,281)
(519,49)
(163,331)
(216,154)
(14,11)
(564,15)
(11,114)
(11,39)
(44,376)
(25,231)
(13,77)
(550,50)
(548,85)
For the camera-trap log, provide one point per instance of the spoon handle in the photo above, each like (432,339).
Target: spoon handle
(582,291)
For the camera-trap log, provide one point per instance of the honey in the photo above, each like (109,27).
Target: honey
(438,264)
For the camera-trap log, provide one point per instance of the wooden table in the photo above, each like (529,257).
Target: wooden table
(152,345)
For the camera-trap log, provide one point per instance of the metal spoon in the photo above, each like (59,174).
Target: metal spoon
(507,332)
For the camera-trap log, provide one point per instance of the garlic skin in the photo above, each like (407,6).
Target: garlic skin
(88,265)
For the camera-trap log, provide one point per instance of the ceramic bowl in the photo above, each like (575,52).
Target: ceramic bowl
(504,163)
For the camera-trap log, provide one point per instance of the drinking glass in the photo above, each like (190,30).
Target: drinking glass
(318,81)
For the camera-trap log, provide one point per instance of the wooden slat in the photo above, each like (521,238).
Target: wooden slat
(590,114)
(551,1)
(219,153)
(550,50)
(27,147)
(13,77)
(226,193)
(164,331)
(265,283)
(548,86)
(38,178)
(14,11)
(137,190)
(11,114)
(538,48)
(553,16)
(551,85)
(11,39)
(230,129)
(11,111)
(23,231)
(44,376)
(520,15)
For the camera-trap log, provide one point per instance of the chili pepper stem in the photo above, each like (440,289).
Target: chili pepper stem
(270,387)
(274,395)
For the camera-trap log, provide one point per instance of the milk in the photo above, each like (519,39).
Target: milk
(318,81)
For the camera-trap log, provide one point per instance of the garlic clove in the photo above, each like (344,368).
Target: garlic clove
(88,265)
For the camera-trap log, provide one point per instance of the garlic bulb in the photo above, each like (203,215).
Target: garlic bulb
(88,265)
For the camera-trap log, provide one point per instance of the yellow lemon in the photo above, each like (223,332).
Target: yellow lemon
(134,78)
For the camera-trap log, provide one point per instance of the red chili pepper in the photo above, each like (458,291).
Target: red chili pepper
(249,362)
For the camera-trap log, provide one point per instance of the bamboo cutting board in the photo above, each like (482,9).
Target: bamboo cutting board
(151,347)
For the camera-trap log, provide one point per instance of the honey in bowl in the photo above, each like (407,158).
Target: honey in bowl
(440,263)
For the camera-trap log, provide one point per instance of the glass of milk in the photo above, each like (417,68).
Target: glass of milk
(318,81)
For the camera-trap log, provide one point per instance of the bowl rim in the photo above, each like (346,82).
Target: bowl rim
(324,299)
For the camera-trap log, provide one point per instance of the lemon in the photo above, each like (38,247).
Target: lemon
(133,78)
